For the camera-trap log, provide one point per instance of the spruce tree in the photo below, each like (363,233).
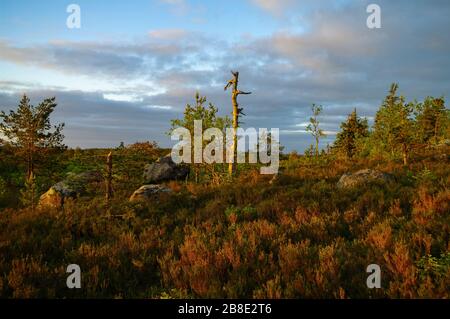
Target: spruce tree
(393,128)
(433,119)
(351,130)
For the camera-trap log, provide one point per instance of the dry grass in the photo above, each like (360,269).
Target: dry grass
(297,237)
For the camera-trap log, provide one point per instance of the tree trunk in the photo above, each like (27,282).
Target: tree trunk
(236,112)
(31,182)
(405,154)
(196,173)
(317,147)
(232,165)
(29,164)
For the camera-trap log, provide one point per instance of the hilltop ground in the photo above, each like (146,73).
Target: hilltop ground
(298,236)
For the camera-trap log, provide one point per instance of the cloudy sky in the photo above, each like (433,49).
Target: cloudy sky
(133,65)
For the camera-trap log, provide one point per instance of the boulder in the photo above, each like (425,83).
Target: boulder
(73,186)
(146,192)
(362,177)
(52,198)
(164,169)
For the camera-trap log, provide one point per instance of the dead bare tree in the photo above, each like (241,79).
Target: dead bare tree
(237,112)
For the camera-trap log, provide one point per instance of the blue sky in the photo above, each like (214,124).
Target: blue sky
(134,65)
(41,21)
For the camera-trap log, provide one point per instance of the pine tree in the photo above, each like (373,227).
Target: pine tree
(351,130)
(29,130)
(393,128)
(433,119)
(210,119)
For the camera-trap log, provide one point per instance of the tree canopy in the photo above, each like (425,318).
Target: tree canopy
(351,130)
(30,131)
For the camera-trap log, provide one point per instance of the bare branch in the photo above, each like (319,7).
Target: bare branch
(228,85)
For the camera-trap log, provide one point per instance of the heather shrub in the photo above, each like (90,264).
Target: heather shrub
(298,236)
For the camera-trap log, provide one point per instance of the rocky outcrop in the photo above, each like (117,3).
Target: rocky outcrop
(362,177)
(147,192)
(164,169)
(72,187)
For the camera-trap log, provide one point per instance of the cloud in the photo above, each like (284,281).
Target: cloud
(93,121)
(121,97)
(168,34)
(291,11)
(275,7)
(179,7)
(305,132)
(174,2)
(335,61)
(75,58)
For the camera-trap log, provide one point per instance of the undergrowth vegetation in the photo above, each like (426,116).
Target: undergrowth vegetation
(296,236)
(232,233)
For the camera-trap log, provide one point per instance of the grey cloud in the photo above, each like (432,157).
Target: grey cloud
(337,62)
(92,121)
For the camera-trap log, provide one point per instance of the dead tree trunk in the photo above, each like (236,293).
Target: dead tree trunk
(405,154)
(236,114)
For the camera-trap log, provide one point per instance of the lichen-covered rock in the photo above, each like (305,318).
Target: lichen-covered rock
(146,192)
(361,177)
(73,186)
(164,169)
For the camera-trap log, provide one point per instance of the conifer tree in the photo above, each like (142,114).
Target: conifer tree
(351,130)
(433,119)
(30,132)
(393,128)
(210,119)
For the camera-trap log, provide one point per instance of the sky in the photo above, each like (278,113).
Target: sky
(134,65)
